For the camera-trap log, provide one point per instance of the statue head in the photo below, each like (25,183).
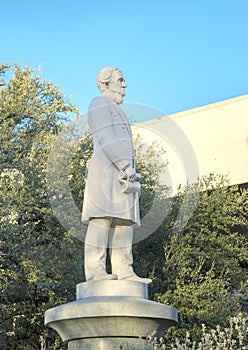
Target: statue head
(111,83)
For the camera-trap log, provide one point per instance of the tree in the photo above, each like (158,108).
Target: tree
(34,248)
(206,264)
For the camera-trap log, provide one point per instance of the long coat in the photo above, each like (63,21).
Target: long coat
(113,150)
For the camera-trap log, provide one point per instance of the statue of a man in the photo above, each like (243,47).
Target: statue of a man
(111,195)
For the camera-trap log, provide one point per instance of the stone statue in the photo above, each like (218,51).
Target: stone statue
(112,311)
(111,205)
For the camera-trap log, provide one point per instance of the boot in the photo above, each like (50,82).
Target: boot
(95,251)
(121,254)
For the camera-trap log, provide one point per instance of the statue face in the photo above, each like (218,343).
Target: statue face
(115,89)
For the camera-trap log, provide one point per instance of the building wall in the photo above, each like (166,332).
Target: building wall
(209,139)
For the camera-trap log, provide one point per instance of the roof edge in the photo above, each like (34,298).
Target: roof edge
(199,109)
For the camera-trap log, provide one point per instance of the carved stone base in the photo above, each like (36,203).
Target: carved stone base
(113,321)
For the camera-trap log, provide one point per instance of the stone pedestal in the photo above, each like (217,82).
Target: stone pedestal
(110,315)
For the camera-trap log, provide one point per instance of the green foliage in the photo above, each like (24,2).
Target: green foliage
(78,168)
(37,256)
(205,267)
(151,164)
(233,337)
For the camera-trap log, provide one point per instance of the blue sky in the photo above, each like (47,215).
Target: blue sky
(175,55)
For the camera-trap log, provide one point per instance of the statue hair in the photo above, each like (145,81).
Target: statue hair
(104,77)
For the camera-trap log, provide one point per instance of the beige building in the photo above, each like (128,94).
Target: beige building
(204,140)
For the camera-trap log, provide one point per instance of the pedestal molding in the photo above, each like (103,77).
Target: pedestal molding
(113,288)
(110,322)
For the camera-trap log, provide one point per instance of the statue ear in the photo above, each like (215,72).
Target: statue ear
(104,86)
